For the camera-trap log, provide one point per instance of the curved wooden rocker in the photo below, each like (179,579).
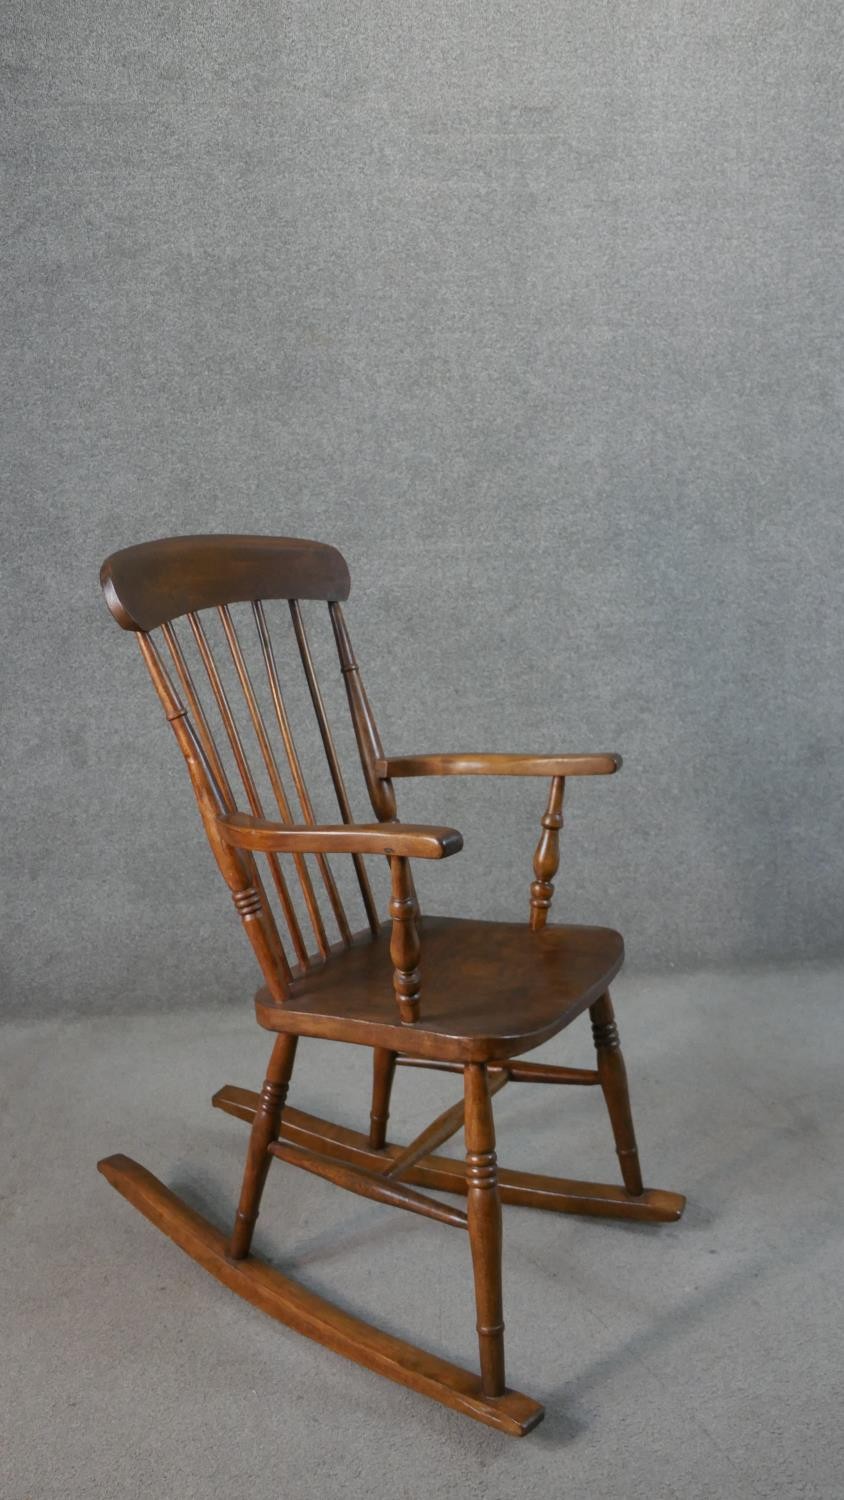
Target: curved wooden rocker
(492,991)
(306,1312)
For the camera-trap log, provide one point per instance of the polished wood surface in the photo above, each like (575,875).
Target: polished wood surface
(247,778)
(371,751)
(383,1073)
(546,860)
(265,1130)
(519,1072)
(483,1208)
(415,840)
(374,1185)
(405,947)
(305,1311)
(490,990)
(288,741)
(154,582)
(447,993)
(274,773)
(440,1130)
(562,1195)
(497,765)
(613,1078)
(330,748)
(238,871)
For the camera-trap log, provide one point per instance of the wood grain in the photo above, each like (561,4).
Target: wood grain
(157,581)
(439,1131)
(419,840)
(383,1073)
(371,751)
(490,991)
(613,1076)
(562,1195)
(472,764)
(265,1128)
(546,860)
(374,1185)
(299,1308)
(405,947)
(483,1208)
(333,759)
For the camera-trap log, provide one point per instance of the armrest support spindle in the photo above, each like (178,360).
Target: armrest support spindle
(546,860)
(405,947)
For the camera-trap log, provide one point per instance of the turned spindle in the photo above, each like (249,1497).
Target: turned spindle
(547,857)
(383,1073)
(405,947)
(613,1079)
(265,1130)
(483,1208)
(213,799)
(380,789)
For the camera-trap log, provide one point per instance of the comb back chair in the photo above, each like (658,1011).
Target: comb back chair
(461,996)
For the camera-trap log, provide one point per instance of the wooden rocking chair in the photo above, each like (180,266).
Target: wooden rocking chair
(456,995)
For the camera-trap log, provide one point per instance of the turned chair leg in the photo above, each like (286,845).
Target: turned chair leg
(483,1208)
(613,1078)
(383,1072)
(265,1129)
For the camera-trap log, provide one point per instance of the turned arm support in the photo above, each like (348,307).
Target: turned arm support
(546,860)
(399,841)
(404,840)
(603,764)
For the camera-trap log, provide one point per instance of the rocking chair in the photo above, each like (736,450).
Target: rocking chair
(459,996)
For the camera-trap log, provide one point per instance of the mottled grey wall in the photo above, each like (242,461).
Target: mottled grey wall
(533,309)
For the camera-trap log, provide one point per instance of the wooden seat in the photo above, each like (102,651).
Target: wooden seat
(492,989)
(443,993)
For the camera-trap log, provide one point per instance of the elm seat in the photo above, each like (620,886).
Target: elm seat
(492,989)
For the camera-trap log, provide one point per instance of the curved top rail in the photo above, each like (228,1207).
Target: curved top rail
(154,582)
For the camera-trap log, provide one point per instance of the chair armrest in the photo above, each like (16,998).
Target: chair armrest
(410,840)
(497,765)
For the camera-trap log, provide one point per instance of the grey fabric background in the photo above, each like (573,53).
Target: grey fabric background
(534,310)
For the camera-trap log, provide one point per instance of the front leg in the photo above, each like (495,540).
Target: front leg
(483,1207)
(265,1130)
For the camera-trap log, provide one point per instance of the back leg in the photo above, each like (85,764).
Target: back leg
(383,1072)
(265,1129)
(613,1078)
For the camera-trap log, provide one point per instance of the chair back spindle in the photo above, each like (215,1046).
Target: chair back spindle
(330,748)
(302,793)
(238,869)
(200,580)
(381,793)
(248,780)
(273,773)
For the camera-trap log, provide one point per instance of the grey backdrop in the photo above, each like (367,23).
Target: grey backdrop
(534,310)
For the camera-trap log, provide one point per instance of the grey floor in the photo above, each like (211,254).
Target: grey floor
(697,1360)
